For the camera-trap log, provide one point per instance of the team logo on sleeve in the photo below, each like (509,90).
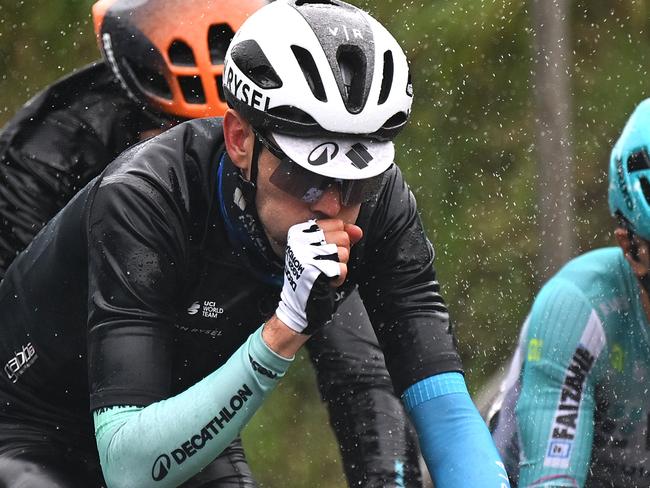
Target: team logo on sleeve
(261,369)
(565,422)
(161,467)
(196,441)
(22,360)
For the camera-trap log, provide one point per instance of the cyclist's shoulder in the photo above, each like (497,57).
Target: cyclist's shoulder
(591,275)
(87,97)
(599,261)
(394,181)
(195,140)
(94,78)
(181,159)
(589,292)
(394,200)
(91,83)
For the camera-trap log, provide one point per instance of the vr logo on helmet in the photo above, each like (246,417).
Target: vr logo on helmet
(245,92)
(356,33)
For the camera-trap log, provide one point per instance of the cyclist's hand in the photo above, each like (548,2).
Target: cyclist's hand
(344,236)
(315,261)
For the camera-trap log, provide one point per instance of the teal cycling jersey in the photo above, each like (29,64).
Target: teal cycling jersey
(575,403)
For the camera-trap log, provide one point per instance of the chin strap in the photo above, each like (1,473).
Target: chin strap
(644,280)
(249,187)
(237,205)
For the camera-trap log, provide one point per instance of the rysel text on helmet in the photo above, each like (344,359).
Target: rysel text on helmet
(244,92)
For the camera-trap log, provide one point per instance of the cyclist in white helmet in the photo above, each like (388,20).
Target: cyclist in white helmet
(163,63)
(160,276)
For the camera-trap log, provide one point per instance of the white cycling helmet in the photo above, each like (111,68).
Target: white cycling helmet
(327,81)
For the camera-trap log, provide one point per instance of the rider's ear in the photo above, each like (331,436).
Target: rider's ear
(239,139)
(627,243)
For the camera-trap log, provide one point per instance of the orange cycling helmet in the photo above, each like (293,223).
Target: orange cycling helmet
(169,53)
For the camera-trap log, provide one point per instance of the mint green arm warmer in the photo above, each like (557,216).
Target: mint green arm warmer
(168,442)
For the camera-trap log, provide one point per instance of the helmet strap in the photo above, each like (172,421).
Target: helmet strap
(634,248)
(243,227)
(634,252)
(249,186)
(645,282)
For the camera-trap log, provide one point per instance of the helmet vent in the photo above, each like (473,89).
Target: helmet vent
(387,79)
(249,57)
(219,80)
(409,86)
(181,54)
(645,188)
(638,161)
(299,3)
(192,89)
(310,71)
(352,65)
(148,80)
(396,120)
(293,114)
(219,37)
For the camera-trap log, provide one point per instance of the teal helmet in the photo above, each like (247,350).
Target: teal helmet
(629,173)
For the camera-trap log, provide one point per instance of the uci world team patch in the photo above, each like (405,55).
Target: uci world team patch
(567,412)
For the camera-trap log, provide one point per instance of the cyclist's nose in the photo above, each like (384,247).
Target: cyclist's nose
(329,204)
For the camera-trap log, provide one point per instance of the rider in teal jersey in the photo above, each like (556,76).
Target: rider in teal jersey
(576,406)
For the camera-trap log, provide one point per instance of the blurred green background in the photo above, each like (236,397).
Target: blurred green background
(469,153)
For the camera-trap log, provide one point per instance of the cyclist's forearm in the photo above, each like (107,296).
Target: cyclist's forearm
(455,441)
(168,442)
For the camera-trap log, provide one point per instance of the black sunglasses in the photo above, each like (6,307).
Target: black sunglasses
(309,187)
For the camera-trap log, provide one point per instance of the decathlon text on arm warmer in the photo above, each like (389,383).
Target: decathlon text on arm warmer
(455,441)
(168,442)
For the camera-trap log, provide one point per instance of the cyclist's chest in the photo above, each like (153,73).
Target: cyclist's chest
(221,309)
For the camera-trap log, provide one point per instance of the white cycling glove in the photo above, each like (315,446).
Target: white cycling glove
(307,299)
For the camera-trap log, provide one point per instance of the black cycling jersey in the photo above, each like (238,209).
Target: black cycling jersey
(133,292)
(59,141)
(63,138)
